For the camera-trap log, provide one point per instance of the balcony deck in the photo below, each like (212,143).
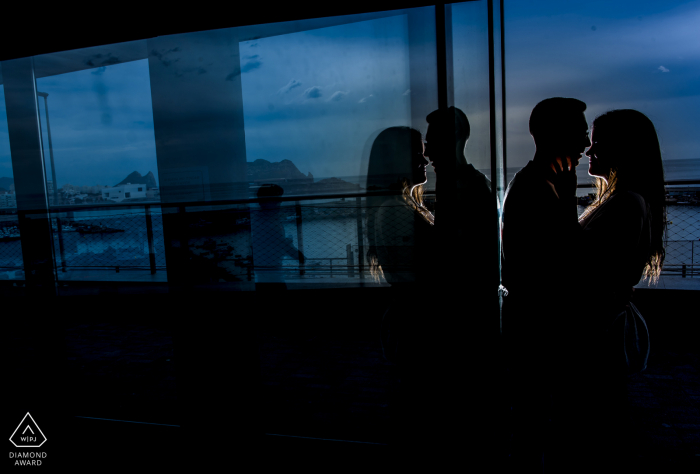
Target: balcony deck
(317,382)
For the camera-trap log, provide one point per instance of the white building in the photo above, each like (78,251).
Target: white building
(125,191)
(8,200)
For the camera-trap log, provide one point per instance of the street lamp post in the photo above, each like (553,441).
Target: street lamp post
(45,95)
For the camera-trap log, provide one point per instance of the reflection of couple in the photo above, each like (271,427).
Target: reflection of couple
(403,234)
(441,268)
(567,277)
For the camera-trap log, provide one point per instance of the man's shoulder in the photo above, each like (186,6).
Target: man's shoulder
(473,180)
(526,180)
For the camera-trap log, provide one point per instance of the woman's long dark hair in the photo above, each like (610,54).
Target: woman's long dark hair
(389,169)
(636,165)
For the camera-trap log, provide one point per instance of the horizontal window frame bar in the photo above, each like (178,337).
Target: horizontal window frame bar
(87,207)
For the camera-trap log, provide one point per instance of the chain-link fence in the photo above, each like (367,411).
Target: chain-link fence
(321,238)
(309,239)
(114,240)
(11,264)
(212,242)
(683,244)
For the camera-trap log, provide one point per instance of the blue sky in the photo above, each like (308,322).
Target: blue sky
(322,117)
(622,54)
(318,97)
(101,123)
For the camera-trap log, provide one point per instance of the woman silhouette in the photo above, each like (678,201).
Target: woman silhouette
(400,232)
(621,242)
(398,223)
(625,225)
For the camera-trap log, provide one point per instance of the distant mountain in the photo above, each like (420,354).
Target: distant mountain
(135,178)
(6,182)
(262,170)
(285,174)
(333,185)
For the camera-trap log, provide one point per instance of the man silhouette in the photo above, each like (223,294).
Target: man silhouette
(465,210)
(539,228)
(449,334)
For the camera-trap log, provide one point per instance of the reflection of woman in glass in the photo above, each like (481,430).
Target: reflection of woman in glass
(397,224)
(400,231)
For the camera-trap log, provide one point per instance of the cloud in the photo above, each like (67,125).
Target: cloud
(313,92)
(97,60)
(365,99)
(290,85)
(663,69)
(338,95)
(164,52)
(252,62)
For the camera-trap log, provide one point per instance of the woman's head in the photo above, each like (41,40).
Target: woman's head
(397,157)
(396,162)
(625,155)
(625,144)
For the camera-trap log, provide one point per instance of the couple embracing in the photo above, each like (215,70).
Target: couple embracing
(568,277)
(443,270)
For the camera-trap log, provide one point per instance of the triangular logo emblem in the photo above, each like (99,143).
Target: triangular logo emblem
(28,434)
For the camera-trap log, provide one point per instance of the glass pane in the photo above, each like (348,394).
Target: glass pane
(624,55)
(313,102)
(99,149)
(11,264)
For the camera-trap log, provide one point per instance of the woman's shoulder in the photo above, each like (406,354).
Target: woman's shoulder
(621,206)
(629,200)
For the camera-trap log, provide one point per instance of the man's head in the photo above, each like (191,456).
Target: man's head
(448,132)
(269,194)
(558,126)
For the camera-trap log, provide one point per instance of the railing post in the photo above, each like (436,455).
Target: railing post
(300,237)
(184,239)
(59,230)
(149,233)
(351,263)
(360,239)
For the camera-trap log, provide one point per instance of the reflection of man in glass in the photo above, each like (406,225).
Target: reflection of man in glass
(270,245)
(466,216)
(460,325)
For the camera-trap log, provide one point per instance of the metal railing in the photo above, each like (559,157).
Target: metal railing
(331,236)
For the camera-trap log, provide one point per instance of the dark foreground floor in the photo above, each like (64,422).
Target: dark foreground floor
(334,386)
